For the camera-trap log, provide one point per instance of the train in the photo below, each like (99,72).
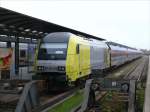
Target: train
(69,58)
(25,50)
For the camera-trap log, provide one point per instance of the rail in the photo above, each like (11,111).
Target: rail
(56,100)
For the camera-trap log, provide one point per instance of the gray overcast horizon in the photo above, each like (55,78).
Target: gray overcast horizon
(124,22)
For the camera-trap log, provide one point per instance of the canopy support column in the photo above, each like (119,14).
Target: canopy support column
(17,56)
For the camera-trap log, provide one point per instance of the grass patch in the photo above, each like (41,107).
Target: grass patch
(110,103)
(140,94)
(69,104)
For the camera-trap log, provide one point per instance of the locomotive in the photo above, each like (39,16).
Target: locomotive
(68,58)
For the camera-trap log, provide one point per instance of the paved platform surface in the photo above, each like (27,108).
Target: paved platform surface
(147,93)
(23,74)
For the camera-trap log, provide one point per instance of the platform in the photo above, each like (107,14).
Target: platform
(147,93)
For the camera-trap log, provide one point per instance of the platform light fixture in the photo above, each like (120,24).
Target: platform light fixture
(21,37)
(21,28)
(34,31)
(40,32)
(12,27)
(2,25)
(45,33)
(5,29)
(23,32)
(27,30)
(14,31)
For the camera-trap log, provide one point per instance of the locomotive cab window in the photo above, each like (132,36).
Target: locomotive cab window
(52,51)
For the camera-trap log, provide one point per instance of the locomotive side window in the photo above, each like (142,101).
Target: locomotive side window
(77,49)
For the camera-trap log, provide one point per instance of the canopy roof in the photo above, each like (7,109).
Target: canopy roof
(20,25)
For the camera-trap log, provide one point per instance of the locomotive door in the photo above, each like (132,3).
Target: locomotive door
(80,59)
(78,50)
(84,60)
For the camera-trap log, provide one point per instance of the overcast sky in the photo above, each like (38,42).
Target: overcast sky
(125,22)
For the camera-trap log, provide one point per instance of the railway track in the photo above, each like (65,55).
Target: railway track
(9,99)
(137,70)
(55,99)
(131,70)
(145,70)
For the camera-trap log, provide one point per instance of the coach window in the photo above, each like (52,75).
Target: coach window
(22,53)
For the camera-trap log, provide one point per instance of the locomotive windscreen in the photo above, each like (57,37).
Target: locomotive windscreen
(52,51)
(54,46)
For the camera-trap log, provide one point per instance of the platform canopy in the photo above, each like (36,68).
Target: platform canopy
(13,24)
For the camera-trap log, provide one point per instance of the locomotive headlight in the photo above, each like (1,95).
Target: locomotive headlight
(43,68)
(61,68)
(40,67)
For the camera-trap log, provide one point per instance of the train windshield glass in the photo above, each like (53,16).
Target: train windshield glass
(52,51)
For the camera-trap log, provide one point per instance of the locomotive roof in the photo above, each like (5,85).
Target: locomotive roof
(57,37)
